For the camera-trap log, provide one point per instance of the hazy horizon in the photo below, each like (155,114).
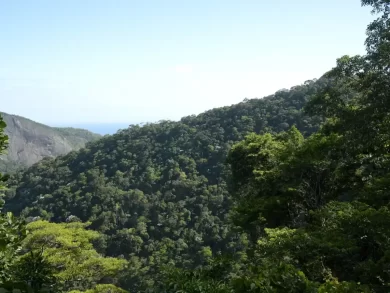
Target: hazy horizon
(133,61)
(99,128)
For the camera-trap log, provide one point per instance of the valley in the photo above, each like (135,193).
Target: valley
(288,193)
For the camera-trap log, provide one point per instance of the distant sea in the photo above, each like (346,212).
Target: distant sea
(102,128)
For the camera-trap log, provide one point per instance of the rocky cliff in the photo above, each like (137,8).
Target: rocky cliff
(30,142)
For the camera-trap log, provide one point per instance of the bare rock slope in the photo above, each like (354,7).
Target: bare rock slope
(30,142)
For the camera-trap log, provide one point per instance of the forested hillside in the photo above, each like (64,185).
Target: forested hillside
(289,193)
(159,192)
(316,209)
(30,142)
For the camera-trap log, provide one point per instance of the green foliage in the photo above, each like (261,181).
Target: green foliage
(12,230)
(279,179)
(3,136)
(3,147)
(68,248)
(212,277)
(12,233)
(76,135)
(275,278)
(102,288)
(318,208)
(34,272)
(29,273)
(298,210)
(158,192)
(191,281)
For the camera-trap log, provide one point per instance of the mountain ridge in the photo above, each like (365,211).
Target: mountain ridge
(163,186)
(30,141)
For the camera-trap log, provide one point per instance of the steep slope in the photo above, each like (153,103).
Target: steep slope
(30,142)
(159,192)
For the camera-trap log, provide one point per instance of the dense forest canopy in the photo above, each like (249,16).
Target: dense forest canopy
(283,194)
(158,192)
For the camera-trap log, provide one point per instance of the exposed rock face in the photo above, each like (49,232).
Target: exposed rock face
(30,142)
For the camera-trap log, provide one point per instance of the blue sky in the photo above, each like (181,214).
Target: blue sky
(92,61)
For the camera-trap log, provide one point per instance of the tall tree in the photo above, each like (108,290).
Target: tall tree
(321,205)
(68,248)
(3,147)
(12,231)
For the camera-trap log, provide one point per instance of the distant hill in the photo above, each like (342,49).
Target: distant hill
(159,192)
(30,142)
(103,128)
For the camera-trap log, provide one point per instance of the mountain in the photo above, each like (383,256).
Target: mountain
(30,142)
(159,192)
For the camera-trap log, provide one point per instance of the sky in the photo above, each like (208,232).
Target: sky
(78,62)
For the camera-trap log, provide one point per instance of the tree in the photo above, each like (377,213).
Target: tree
(200,280)
(12,230)
(102,288)
(321,204)
(158,192)
(69,250)
(34,273)
(12,233)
